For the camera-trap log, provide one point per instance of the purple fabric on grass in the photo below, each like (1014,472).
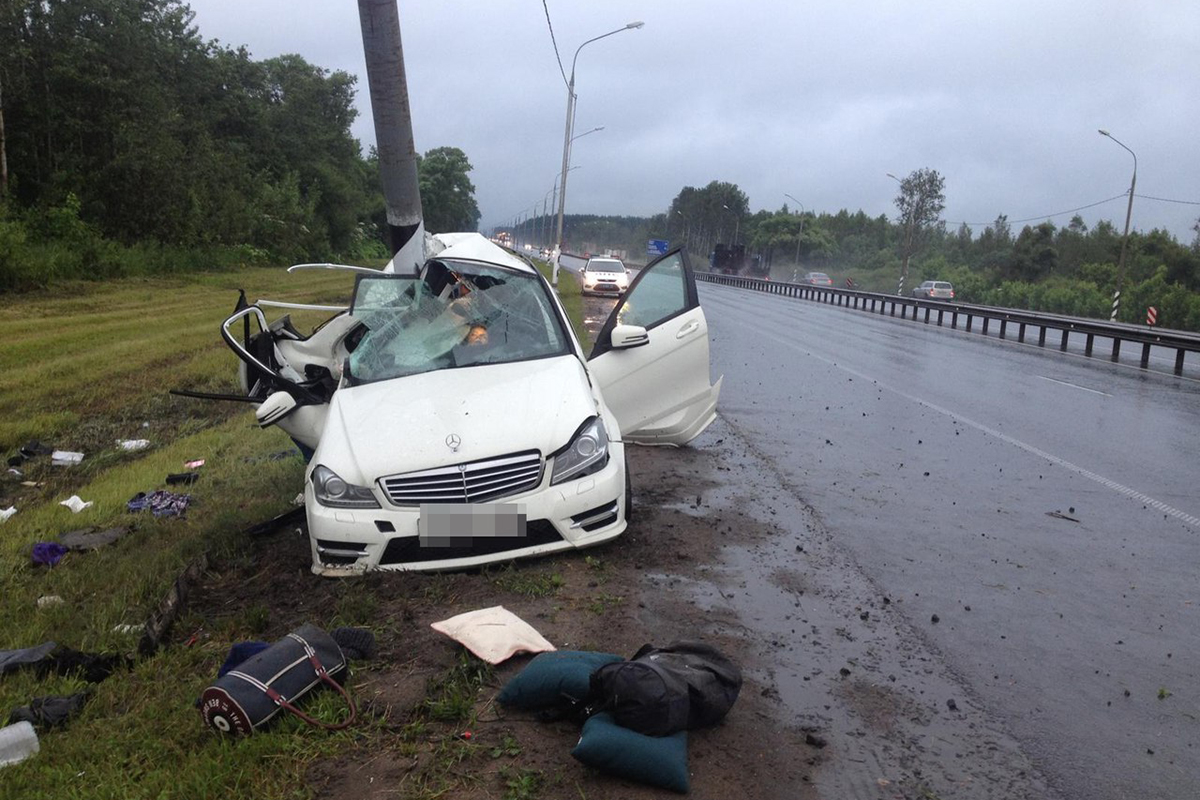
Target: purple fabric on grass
(48,553)
(161,503)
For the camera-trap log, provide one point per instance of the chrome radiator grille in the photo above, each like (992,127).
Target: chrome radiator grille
(476,482)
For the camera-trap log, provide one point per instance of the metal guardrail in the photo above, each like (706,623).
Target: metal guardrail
(938,311)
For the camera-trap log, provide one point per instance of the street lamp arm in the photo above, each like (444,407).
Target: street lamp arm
(630,26)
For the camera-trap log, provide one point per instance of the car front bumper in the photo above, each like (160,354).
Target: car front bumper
(575,514)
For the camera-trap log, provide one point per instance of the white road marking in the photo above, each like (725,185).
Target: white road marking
(1074,385)
(979,426)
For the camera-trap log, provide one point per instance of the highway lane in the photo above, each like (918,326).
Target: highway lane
(935,457)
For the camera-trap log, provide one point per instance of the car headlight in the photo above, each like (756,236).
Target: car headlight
(587,453)
(330,490)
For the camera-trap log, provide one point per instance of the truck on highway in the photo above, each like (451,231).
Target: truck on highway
(734,260)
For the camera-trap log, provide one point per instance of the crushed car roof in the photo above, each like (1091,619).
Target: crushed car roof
(475,247)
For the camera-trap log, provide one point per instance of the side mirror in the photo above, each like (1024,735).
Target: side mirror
(277,406)
(626,336)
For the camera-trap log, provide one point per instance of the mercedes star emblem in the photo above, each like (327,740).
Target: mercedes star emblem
(452,441)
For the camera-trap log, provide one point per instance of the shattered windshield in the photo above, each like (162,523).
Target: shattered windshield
(456,314)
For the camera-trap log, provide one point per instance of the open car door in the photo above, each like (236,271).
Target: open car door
(651,357)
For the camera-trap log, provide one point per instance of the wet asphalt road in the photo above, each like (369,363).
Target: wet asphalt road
(937,459)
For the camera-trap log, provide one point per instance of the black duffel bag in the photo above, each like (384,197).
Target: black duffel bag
(247,697)
(663,690)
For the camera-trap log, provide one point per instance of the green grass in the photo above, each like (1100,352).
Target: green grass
(86,364)
(570,294)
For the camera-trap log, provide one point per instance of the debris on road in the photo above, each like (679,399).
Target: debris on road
(1060,515)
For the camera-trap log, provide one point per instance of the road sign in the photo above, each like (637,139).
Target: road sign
(1151,315)
(657,247)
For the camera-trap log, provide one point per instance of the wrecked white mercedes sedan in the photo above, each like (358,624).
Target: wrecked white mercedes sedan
(452,419)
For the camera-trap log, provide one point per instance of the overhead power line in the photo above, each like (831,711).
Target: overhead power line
(1056,213)
(1169,200)
(555,43)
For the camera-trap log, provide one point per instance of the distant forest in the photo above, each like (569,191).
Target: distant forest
(1070,269)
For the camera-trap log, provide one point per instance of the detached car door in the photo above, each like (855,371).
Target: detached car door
(651,357)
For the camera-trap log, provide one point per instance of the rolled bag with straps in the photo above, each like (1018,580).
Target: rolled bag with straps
(247,697)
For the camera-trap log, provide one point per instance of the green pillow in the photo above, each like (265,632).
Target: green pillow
(550,678)
(656,760)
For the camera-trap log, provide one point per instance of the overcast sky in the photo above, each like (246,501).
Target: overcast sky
(815,99)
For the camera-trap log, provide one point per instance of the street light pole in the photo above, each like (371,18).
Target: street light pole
(1116,303)
(566,158)
(907,240)
(801,231)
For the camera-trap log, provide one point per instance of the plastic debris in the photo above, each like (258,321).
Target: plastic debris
(196,464)
(76,503)
(48,553)
(17,743)
(65,458)
(126,627)
(134,444)
(49,600)
(6,513)
(176,478)
(33,484)
(298,500)
(15,471)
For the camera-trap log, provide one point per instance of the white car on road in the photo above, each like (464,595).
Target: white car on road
(453,419)
(604,276)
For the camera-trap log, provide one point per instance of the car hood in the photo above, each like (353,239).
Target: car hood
(401,425)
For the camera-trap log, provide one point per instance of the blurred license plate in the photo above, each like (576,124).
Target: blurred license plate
(458,524)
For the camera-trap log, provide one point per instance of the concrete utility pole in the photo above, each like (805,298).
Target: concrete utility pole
(1116,302)
(907,240)
(566,158)
(3,152)
(388,86)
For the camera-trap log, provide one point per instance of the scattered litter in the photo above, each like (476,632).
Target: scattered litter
(92,667)
(177,478)
(1060,515)
(35,448)
(125,627)
(91,539)
(33,484)
(49,712)
(49,600)
(298,500)
(76,503)
(134,444)
(494,634)
(48,553)
(17,743)
(161,503)
(65,458)
(6,513)
(15,659)
(196,464)
(15,471)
